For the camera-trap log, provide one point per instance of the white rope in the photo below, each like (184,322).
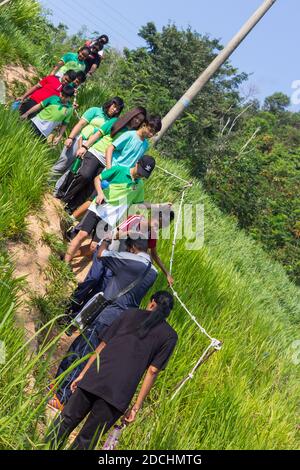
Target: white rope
(172,174)
(192,316)
(176,231)
(191,374)
(214,343)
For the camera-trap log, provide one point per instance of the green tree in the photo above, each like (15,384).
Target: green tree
(276,103)
(158,74)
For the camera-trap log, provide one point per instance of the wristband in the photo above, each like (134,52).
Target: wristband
(85,147)
(72,138)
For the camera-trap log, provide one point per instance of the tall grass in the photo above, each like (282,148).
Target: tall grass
(24,165)
(246,396)
(16,19)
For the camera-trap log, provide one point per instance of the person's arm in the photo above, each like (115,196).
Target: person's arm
(100,195)
(74,132)
(92,70)
(29,92)
(91,360)
(156,258)
(103,247)
(58,138)
(57,67)
(118,144)
(90,142)
(147,384)
(32,110)
(108,156)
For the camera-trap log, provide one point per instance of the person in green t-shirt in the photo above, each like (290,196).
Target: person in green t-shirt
(52,112)
(125,188)
(93,154)
(72,60)
(87,125)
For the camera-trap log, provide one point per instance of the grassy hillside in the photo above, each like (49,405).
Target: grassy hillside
(245,397)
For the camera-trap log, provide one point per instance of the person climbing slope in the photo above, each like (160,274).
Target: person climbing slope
(47,86)
(132,145)
(88,124)
(131,270)
(79,80)
(93,60)
(53,112)
(137,225)
(125,188)
(92,153)
(139,341)
(102,40)
(150,230)
(72,60)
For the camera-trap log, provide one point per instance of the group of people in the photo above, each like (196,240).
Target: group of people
(50,103)
(100,177)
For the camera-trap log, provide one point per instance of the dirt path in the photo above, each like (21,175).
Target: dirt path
(14,75)
(31,260)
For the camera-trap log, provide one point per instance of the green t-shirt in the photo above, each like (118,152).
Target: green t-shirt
(95,117)
(121,193)
(53,114)
(106,139)
(122,186)
(71,62)
(99,148)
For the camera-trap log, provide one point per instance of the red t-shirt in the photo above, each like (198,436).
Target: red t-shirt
(133,223)
(51,85)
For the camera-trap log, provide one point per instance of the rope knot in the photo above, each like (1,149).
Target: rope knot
(216,344)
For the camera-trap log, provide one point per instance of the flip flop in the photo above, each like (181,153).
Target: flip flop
(55,404)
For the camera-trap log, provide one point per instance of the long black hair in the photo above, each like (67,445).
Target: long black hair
(117,101)
(126,118)
(165,303)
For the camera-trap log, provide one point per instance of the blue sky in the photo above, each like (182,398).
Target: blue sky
(269,53)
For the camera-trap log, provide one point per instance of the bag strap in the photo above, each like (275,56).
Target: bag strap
(132,284)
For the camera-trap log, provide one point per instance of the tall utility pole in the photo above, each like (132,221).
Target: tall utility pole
(205,76)
(3,2)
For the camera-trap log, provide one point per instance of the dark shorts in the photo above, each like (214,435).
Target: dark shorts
(26,106)
(89,223)
(82,224)
(93,195)
(37,131)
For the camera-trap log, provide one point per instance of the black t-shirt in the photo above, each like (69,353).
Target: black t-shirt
(91,60)
(126,357)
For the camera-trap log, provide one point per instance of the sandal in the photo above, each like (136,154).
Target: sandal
(55,404)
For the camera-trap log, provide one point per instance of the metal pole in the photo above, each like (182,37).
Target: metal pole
(3,2)
(205,76)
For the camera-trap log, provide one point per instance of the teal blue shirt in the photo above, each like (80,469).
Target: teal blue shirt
(129,148)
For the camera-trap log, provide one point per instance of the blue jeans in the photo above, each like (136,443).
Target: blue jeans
(96,281)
